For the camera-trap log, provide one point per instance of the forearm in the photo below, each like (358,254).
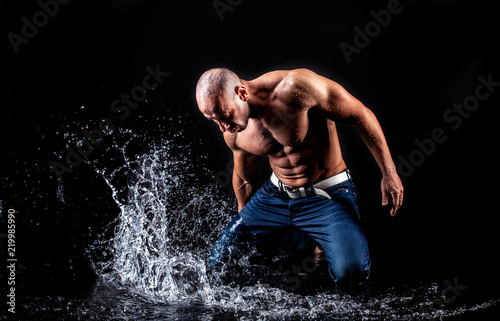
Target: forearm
(391,186)
(243,189)
(373,136)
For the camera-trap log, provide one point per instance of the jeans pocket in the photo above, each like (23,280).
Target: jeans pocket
(343,193)
(339,190)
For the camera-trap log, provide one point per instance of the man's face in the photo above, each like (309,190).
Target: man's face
(230,114)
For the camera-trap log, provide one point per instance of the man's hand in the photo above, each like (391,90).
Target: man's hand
(392,188)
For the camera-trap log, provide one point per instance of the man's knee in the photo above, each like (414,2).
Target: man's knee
(214,266)
(352,272)
(221,251)
(229,245)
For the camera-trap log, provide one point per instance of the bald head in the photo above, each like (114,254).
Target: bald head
(215,85)
(222,97)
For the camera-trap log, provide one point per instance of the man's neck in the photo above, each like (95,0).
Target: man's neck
(257,99)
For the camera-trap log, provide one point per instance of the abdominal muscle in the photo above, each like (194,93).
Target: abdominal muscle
(304,167)
(317,157)
(313,158)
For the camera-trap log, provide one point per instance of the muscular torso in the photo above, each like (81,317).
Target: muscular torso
(290,116)
(302,145)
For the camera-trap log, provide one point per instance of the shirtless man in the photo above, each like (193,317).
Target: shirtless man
(290,116)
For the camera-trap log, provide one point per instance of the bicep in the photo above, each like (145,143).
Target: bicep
(333,101)
(245,164)
(341,106)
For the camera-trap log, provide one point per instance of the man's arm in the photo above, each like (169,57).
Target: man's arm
(332,100)
(373,136)
(244,172)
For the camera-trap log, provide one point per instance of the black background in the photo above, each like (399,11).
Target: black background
(428,58)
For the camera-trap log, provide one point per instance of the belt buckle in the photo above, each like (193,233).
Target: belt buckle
(293,192)
(298,192)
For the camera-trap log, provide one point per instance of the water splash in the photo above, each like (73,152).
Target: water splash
(167,224)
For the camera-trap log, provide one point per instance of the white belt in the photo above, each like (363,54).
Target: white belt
(313,189)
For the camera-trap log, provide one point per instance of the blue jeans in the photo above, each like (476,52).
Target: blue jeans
(282,225)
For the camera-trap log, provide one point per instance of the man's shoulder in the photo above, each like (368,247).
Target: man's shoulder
(277,78)
(295,85)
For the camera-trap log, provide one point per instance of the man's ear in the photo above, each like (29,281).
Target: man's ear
(242,92)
